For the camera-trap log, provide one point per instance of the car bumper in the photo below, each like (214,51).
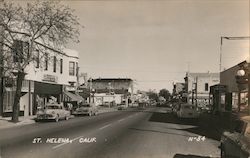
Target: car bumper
(45,117)
(188,116)
(80,113)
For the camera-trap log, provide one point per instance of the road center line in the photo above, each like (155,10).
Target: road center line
(72,140)
(105,126)
(121,120)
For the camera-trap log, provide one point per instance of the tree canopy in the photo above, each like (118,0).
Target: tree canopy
(28,31)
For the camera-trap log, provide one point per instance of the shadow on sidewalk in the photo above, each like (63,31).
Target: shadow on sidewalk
(189,156)
(204,126)
(170,118)
(163,132)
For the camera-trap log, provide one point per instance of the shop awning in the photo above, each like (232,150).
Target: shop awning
(74,97)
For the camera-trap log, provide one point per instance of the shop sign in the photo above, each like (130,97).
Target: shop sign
(49,78)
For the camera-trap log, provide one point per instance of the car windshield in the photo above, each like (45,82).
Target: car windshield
(85,105)
(52,107)
(188,107)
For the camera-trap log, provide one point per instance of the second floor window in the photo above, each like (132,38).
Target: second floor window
(36,58)
(206,86)
(54,64)
(77,69)
(61,66)
(71,68)
(46,61)
(17,51)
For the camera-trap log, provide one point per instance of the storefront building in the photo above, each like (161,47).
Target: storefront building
(111,91)
(238,91)
(47,80)
(197,86)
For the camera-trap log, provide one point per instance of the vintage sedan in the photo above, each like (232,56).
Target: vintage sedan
(86,109)
(236,143)
(187,111)
(53,112)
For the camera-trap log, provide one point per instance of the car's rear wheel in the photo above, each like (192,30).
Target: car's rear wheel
(222,152)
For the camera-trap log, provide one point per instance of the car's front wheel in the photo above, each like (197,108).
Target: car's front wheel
(66,117)
(90,113)
(57,118)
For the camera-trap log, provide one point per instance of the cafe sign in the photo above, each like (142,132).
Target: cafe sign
(49,78)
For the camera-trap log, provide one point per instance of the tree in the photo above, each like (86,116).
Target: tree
(165,94)
(28,31)
(153,95)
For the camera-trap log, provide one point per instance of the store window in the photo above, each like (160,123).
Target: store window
(71,68)
(8,101)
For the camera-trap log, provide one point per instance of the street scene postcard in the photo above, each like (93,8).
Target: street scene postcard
(124,78)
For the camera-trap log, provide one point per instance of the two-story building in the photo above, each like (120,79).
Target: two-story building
(51,78)
(197,87)
(111,90)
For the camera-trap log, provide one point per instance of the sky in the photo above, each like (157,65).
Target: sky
(155,42)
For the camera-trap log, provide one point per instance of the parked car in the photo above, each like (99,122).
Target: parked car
(175,107)
(187,111)
(86,109)
(121,107)
(236,143)
(52,112)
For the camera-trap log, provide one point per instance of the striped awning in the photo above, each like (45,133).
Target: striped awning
(74,97)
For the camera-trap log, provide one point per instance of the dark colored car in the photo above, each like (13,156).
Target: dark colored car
(236,143)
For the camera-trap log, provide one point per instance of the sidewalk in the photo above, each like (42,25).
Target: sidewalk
(5,122)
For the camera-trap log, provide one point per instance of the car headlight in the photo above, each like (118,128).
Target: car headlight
(53,112)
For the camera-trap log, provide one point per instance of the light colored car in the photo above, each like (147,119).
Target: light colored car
(237,142)
(86,109)
(187,111)
(53,112)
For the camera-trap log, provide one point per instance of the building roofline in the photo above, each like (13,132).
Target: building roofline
(111,79)
(59,52)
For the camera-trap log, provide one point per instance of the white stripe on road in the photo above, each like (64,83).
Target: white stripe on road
(121,120)
(72,140)
(105,126)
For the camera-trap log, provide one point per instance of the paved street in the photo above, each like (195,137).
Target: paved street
(153,132)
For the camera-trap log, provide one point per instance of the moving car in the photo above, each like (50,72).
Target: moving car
(236,143)
(187,111)
(86,109)
(53,112)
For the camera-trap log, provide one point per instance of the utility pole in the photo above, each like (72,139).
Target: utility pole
(1,71)
(196,91)
(248,92)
